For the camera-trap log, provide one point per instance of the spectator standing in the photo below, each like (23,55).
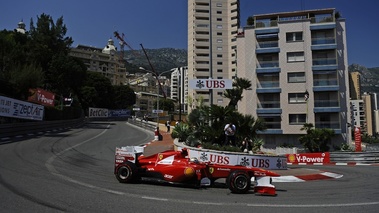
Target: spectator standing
(230,130)
(168,125)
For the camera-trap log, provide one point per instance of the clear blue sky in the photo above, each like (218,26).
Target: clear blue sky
(163,23)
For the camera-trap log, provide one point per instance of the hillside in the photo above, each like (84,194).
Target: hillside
(369,77)
(161,59)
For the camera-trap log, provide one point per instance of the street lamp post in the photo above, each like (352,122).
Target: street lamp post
(158,85)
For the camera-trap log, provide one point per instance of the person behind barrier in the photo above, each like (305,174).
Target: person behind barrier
(230,130)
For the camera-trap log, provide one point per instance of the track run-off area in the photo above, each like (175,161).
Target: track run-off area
(71,170)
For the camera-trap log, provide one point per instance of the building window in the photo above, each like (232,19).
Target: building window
(219,70)
(219,26)
(295,98)
(219,33)
(219,19)
(219,63)
(219,55)
(219,48)
(219,12)
(219,4)
(297,119)
(294,36)
(295,57)
(296,77)
(219,40)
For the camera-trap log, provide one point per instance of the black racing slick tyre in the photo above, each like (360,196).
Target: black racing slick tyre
(127,173)
(238,182)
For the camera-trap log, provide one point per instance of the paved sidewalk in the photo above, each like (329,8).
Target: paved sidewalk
(160,146)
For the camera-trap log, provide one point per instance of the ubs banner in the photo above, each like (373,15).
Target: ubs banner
(14,108)
(256,161)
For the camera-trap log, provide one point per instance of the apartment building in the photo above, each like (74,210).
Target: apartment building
(297,63)
(179,87)
(355,85)
(102,60)
(212,30)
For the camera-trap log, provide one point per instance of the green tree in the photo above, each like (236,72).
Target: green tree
(48,40)
(316,140)
(165,104)
(250,21)
(104,90)
(69,74)
(235,94)
(124,97)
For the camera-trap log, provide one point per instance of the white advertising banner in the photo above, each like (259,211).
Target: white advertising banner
(256,161)
(10,107)
(211,83)
(98,113)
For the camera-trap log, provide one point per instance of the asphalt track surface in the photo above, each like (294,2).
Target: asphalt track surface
(72,171)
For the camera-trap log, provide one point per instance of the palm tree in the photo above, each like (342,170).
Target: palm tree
(235,94)
(316,140)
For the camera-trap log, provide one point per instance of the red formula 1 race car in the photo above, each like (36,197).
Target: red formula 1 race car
(176,168)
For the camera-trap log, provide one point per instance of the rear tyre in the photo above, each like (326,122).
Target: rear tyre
(238,182)
(127,173)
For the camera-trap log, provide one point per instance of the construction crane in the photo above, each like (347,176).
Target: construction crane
(123,43)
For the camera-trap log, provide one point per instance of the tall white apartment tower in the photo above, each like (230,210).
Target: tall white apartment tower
(212,31)
(297,64)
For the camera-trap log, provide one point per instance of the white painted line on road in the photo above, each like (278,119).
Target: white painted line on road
(155,198)
(49,165)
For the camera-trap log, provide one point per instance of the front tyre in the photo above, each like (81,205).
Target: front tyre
(238,182)
(127,172)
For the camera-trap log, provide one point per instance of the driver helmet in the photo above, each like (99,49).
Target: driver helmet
(194,160)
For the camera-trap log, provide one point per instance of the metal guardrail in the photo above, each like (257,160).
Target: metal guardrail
(151,126)
(357,157)
(14,129)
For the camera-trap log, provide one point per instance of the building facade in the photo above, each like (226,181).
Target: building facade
(355,85)
(297,64)
(212,30)
(102,60)
(179,87)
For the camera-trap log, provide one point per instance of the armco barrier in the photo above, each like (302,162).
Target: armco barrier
(148,125)
(356,157)
(14,129)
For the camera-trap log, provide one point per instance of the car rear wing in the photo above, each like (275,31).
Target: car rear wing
(127,153)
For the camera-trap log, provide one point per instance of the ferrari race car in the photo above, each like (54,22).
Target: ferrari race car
(175,167)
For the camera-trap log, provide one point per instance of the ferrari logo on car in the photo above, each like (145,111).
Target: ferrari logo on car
(211,170)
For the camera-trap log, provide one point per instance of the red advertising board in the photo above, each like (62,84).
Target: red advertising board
(358,139)
(309,158)
(42,97)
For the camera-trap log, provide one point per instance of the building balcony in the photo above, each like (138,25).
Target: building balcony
(325,85)
(268,90)
(267,64)
(328,125)
(324,61)
(323,40)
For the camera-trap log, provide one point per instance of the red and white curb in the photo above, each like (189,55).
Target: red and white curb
(303,178)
